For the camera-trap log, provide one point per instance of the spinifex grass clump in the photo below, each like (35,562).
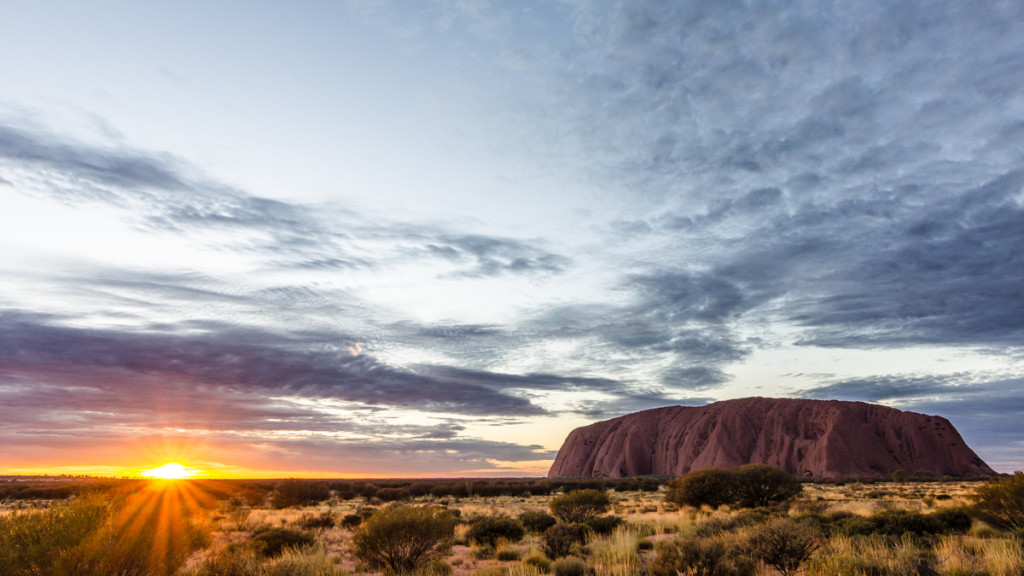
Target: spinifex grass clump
(272,541)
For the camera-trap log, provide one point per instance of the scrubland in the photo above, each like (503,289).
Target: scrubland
(502,528)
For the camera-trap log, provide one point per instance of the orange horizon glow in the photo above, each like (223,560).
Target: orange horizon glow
(240,473)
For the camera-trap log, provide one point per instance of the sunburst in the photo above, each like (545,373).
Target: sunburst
(171,471)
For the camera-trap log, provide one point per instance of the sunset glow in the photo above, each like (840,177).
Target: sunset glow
(171,471)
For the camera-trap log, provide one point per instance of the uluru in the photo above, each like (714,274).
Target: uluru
(810,438)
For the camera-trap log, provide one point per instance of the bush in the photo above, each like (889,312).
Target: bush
(295,492)
(488,529)
(1000,502)
(569,567)
(604,525)
(954,520)
(351,521)
(749,486)
(899,522)
(579,506)
(698,557)
(404,538)
(762,485)
(273,541)
(784,544)
(560,539)
(537,521)
(712,487)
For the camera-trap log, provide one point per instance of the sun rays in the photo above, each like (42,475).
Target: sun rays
(156,526)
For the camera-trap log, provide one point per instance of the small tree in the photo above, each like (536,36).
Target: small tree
(784,544)
(710,486)
(579,506)
(401,539)
(1001,502)
(762,485)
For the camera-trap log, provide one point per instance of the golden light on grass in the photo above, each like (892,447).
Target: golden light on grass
(171,471)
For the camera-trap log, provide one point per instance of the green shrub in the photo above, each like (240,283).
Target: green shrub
(954,520)
(538,561)
(712,487)
(850,524)
(489,529)
(569,567)
(1000,502)
(402,539)
(698,557)
(749,486)
(762,485)
(273,541)
(579,506)
(604,525)
(784,544)
(537,521)
(296,492)
(560,539)
(899,522)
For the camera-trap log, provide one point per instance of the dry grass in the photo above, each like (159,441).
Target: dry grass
(983,551)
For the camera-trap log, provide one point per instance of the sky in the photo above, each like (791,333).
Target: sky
(430,238)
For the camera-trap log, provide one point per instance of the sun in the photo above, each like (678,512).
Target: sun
(171,471)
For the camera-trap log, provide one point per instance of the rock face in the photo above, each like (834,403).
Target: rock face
(814,438)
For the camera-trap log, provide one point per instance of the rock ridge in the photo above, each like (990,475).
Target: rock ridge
(811,438)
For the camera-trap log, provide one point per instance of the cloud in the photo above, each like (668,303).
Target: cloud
(102,166)
(494,256)
(249,361)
